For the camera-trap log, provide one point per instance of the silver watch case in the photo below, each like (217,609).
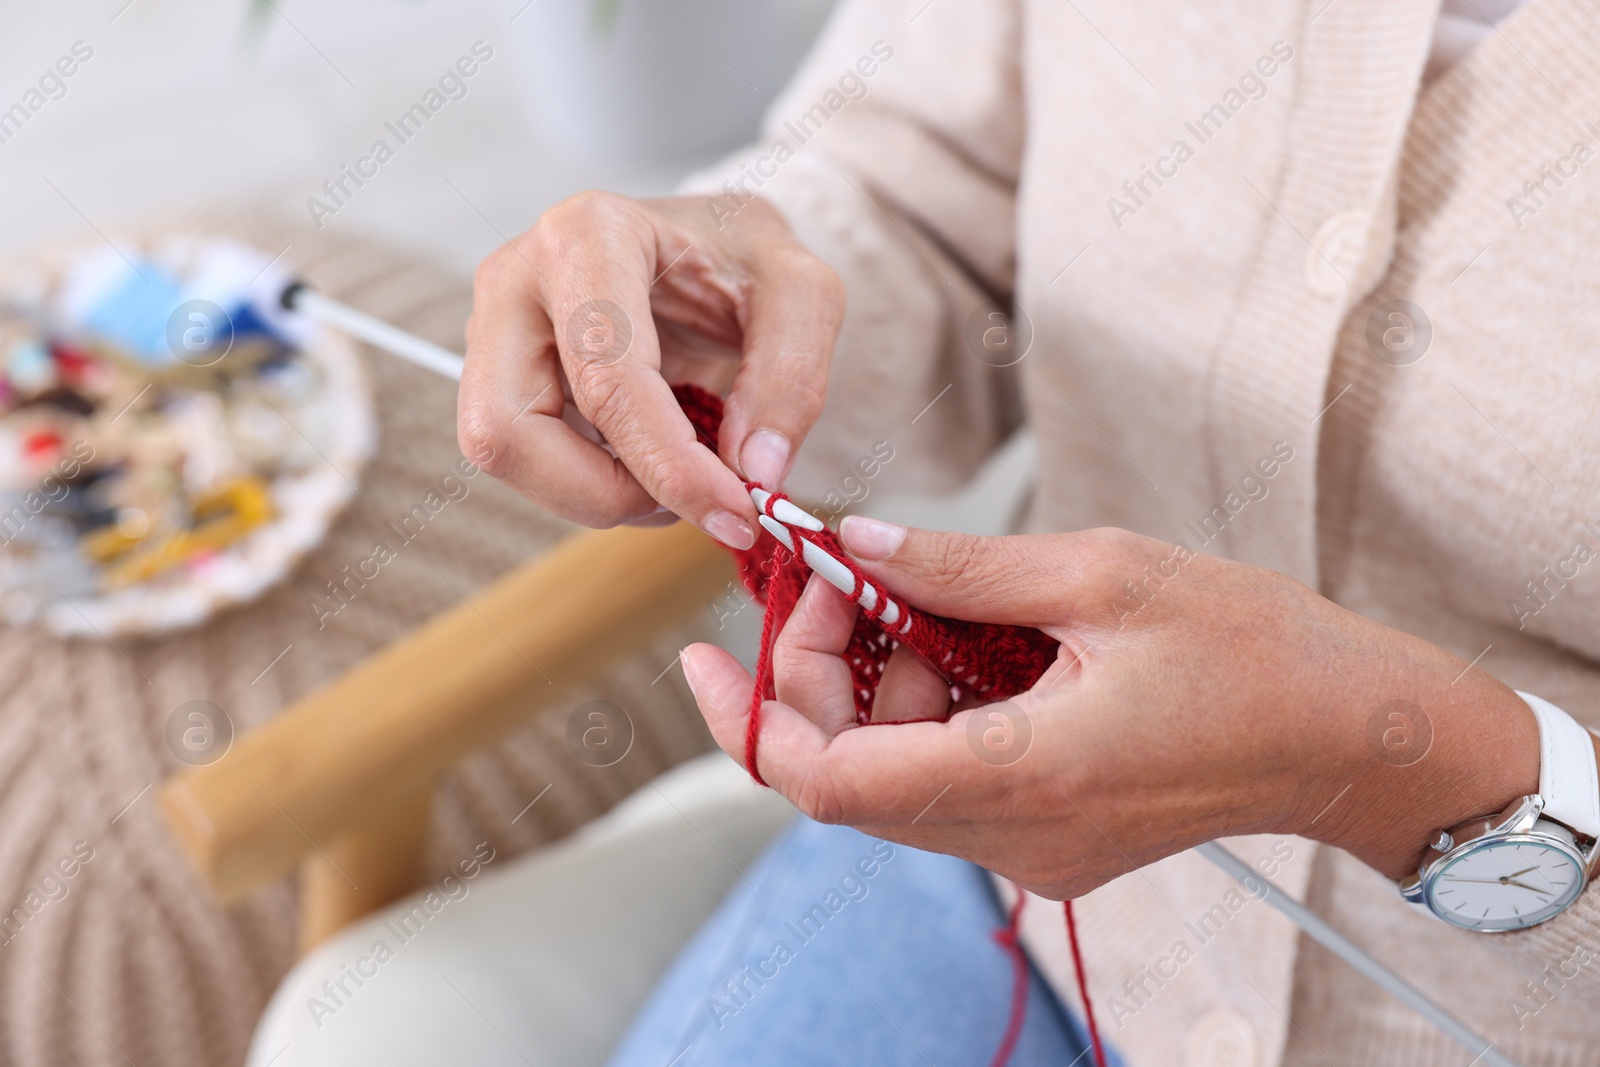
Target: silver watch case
(1522,821)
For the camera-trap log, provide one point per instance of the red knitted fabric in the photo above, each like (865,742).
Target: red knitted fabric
(982,660)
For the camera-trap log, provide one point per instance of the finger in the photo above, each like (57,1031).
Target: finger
(910,689)
(861,776)
(659,517)
(1028,581)
(795,307)
(808,671)
(812,676)
(605,333)
(509,410)
(789,743)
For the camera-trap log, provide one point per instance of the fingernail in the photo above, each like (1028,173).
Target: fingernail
(765,457)
(870,538)
(730,529)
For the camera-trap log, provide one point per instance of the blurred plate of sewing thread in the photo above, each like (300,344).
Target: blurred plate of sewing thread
(172,441)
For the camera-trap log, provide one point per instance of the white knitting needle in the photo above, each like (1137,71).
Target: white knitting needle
(297,297)
(1318,929)
(784,511)
(313,305)
(833,571)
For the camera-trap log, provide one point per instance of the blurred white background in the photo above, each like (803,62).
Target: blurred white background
(198,106)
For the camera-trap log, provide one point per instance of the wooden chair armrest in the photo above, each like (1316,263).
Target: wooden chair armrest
(378,737)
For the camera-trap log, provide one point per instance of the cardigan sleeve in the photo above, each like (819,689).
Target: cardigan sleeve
(894,155)
(1561,957)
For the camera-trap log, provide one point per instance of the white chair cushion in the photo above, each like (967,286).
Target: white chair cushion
(542,960)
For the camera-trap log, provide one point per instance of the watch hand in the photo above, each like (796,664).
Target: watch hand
(1519,874)
(1507,880)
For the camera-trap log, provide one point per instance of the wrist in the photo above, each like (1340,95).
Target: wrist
(1463,746)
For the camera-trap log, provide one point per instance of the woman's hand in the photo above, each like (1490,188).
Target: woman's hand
(579,326)
(1193,698)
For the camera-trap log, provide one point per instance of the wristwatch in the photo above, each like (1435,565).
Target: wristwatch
(1528,863)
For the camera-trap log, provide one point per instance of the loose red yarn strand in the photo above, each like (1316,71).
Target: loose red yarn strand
(1010,939)
(752,733)
(1083,985)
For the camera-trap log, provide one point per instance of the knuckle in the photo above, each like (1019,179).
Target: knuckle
(806,396)
(803,268)
(597,511)
(788,661)
(670,482)
(594,202)
(765,213)
(955,559)
(549,239)
(1111,540)
(803,271)
(1107,550)
(578,216)
(801,670)
(482,439)
(818,800)
(483,274)
(831,286)
(600,394)
(490,270)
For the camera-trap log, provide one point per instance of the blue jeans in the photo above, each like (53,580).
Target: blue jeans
(840,948)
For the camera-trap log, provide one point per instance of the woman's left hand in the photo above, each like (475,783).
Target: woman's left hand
(1193,698)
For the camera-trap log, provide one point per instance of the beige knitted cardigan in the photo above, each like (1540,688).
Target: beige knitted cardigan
(1184,324)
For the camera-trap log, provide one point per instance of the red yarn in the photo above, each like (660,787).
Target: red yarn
(1083,985)
(752,731)
(984,660)
(1011,940)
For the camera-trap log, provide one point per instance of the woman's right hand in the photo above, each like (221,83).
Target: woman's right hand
(580,324)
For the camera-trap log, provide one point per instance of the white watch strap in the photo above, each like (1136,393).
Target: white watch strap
(1569,780)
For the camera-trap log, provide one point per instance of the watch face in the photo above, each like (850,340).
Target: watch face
(1506,884)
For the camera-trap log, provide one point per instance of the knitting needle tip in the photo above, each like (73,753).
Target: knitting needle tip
(777,530)
(785,511)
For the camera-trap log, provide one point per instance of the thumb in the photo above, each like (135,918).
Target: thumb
(1024,581)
